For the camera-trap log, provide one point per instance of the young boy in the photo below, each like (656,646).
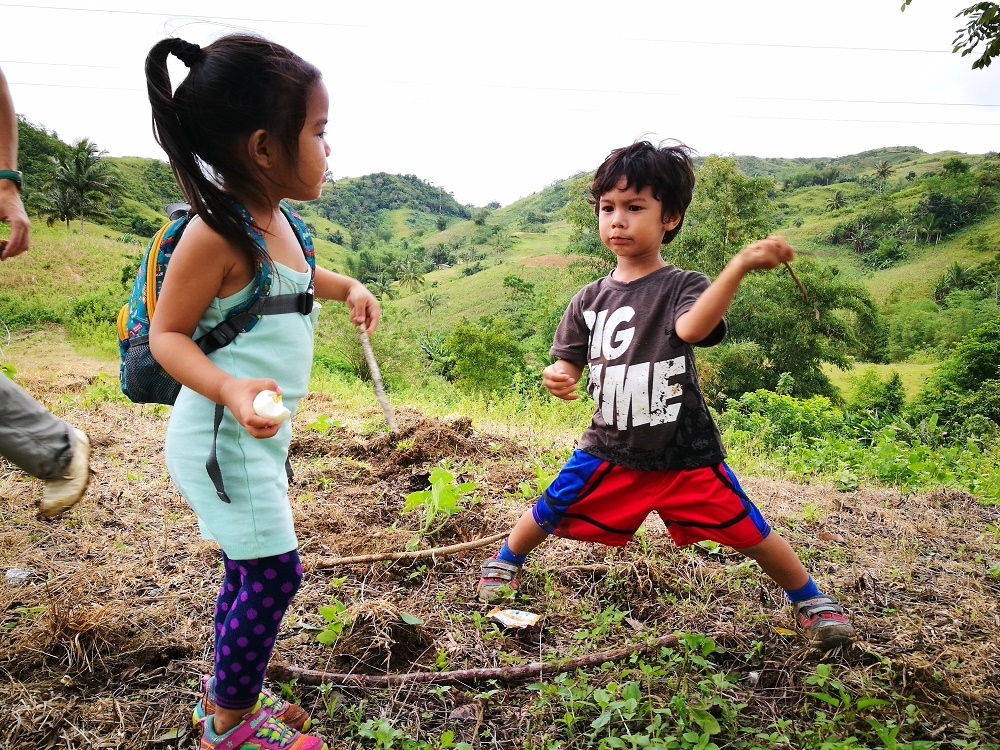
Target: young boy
(652,444)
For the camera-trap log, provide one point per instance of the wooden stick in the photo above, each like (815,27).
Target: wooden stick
(805,294)
(530,671)
(366,344)
(333,562)
(802,288)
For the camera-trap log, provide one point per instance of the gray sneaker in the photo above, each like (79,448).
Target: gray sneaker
(62,494)
(824,622)
(497,577)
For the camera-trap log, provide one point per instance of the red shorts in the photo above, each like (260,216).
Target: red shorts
(597,501)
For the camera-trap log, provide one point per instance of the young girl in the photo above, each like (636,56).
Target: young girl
(245,129)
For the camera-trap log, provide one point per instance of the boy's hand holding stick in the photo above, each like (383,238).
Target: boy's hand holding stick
(366,345)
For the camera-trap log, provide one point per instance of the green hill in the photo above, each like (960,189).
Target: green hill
(859,215)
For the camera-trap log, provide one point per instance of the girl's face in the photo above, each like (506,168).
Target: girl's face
(313,148)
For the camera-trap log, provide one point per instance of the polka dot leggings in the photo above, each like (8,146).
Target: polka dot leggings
(251,603)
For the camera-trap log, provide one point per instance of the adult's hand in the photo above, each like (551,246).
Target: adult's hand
(12,210)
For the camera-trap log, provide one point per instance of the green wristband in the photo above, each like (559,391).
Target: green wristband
(13,175)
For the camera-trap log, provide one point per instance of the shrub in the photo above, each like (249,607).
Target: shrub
(775,418)
(874,395)
(487,356)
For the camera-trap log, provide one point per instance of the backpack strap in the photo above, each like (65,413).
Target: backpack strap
(261,303)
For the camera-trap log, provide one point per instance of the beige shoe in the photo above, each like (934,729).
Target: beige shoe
(62,494)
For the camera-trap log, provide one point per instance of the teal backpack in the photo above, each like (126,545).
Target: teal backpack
(142,378)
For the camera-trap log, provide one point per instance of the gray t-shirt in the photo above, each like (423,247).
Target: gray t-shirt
(650,412)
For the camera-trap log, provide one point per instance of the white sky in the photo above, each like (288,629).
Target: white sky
(494,101)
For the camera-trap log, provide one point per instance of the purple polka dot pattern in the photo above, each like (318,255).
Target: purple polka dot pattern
(252,601)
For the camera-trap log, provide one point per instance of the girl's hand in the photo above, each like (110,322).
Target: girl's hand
(364,308)
(559,382)
(770,252)
(238,395)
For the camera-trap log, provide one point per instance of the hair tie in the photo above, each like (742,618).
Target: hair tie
(187,52)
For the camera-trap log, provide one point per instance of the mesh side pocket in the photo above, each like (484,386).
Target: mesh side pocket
(143,380)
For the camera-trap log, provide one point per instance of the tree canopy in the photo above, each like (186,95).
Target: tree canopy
(981,28)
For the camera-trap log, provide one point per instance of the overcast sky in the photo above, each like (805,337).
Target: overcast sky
(495,101)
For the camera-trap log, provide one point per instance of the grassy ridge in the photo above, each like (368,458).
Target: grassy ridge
(63,265)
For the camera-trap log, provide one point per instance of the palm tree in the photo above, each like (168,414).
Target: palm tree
(410,276)
(87,177)
(382,287)
(958,276)
(58,204)
(883,170)
(929,224)
(835,201)
(430,301)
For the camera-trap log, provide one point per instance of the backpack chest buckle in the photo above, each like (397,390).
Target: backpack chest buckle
(306,302)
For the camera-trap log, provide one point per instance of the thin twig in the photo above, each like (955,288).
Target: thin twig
(390,417)
(333,562)
(530,671)
(802,288)
(805,294)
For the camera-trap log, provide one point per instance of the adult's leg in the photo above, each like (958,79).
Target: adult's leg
(31,436)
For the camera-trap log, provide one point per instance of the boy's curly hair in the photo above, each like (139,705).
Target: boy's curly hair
(666,169)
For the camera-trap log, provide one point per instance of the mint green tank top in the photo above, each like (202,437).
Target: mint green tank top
(258,521)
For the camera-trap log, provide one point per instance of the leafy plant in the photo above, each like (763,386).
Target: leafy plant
(323,424)
(335,615)
(442,500)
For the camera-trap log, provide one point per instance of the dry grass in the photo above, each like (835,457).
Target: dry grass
(106,640)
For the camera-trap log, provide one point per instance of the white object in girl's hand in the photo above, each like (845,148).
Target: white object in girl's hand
(268,404)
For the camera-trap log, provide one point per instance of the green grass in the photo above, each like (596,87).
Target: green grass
(912,374)
(483,293)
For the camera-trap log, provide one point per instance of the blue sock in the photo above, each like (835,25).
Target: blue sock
(507,556)
(806,592)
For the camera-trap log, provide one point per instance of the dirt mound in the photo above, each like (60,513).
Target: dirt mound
(418,442)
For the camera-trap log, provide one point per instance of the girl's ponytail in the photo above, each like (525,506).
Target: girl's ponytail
(176,128)
(168,128)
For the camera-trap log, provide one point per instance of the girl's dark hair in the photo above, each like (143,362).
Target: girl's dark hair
(666,169)
(237,85)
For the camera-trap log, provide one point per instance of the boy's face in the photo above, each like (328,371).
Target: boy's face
(631,222)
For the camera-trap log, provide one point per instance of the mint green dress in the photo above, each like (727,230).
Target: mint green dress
(258,521)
